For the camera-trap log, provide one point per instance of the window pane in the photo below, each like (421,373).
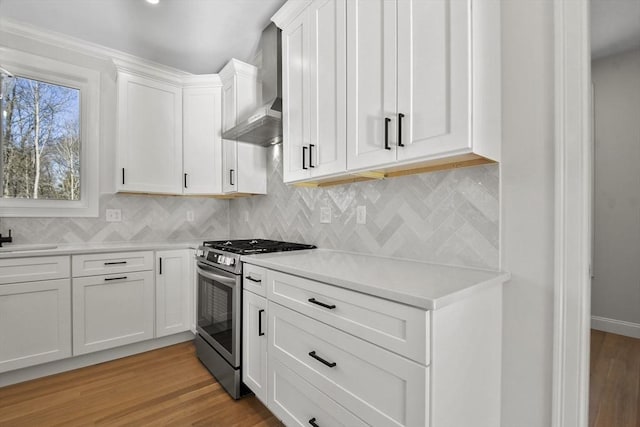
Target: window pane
(40,141)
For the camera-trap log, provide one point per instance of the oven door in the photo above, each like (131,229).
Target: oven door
(219,311)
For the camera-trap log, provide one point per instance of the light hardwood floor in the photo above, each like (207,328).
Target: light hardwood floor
(614,398)
(163,387)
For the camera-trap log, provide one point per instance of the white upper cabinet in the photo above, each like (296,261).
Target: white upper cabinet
(422,82)
(201,136)
(244,165)
(149,135)
(314,91)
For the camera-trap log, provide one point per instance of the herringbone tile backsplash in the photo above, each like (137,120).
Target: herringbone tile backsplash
(446,217)
(144,219)
(449,217)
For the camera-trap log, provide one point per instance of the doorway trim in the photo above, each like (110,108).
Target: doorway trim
(573,198)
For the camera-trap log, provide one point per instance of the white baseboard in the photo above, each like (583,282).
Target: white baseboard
(614,326)
(71,363)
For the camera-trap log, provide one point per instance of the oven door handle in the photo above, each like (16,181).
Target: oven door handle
(225,280)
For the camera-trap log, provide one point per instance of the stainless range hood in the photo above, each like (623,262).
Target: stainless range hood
(264,126)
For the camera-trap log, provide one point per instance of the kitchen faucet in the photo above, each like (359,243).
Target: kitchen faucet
(5,239)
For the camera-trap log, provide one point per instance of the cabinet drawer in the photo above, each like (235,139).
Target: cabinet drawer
(296,402)
(110,263)
(254,279)
(378,386)
(15,270)
(397,327)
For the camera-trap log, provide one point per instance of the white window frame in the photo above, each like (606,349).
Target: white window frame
(87,81)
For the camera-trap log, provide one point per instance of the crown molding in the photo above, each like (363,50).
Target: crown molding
(236,67)
(202,80)
(122,60)
(289,11)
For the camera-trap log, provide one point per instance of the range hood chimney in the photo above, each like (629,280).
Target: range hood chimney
(264,126)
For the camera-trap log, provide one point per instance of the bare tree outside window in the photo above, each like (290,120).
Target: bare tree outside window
(40,141)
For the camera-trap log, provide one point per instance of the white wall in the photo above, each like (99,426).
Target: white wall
(616,285)
(527,204)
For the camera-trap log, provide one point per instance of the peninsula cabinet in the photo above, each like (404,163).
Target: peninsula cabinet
(422,81)
(35,311)
(149,132)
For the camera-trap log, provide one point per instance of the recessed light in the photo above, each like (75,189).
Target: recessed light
(153,1)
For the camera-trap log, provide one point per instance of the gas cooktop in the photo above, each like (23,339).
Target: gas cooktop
(255,246)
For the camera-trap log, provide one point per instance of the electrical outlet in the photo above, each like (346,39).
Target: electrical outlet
(190,217)
(114,215)
(325,215)
(361,215)
(246,216)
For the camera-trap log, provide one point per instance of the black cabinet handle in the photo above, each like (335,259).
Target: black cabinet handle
(160,265)
(253,280)
(108,279)
(122,176)
(185,180)
(400,116)
(386,133)
(231,171)
(312,421)
(115,262)
(314,301)
(311,155)
(320,359)
(260,333)
(304,151)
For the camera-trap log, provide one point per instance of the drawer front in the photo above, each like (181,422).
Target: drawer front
(111,263)
(254,279)
(396,327)
(297,403)
(378,386)
(16,270)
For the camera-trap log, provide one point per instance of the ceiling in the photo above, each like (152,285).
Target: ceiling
(615,26)
(198,36)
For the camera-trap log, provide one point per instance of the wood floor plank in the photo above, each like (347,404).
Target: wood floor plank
(165,387)
(614,398)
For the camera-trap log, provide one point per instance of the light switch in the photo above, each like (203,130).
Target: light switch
(361,215)
(190,216)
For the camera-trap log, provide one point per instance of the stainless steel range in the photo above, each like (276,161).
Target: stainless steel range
(219,305)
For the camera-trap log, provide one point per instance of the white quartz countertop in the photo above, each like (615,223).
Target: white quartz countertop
(420,284)
(21,251)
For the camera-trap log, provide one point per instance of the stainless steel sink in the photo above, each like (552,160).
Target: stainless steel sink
(26,248)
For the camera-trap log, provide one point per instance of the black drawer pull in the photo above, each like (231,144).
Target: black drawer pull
(253,280)
(260,333)
(304,152)
(311,155)
(313,301)
(312,421)
(320,359)
(400,117)
(108,279)
(115,262)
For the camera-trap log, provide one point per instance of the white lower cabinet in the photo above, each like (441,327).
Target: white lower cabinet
(173,292)
(35,322)
(112,310)
(380,387)
(297,403)
(254,343)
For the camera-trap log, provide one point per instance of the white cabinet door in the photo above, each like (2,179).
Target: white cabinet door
(149,135)
(112,310)
(202,143)
(314,92)
(327,94)
(35,323)
(173,295)
(433,78)
(254,343)
(295,94)
(371,83)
